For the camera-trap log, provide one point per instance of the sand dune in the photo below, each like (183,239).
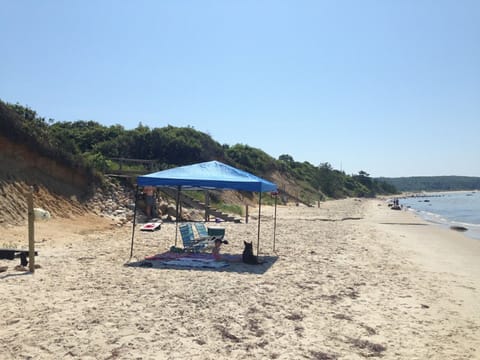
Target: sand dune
(349,280)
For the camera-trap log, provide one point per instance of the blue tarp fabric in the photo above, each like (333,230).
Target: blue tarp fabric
(207,175)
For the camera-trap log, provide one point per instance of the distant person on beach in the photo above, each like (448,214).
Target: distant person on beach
(396,204)
(149,191)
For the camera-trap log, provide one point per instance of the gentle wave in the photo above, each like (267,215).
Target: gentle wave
(448,209)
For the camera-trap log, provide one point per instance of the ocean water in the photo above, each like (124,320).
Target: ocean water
(448,209)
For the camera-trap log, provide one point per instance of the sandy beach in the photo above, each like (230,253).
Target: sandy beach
(349,280)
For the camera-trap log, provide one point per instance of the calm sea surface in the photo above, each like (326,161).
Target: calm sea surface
(448,209)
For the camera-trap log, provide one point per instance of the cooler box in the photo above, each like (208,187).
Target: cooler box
(218,232)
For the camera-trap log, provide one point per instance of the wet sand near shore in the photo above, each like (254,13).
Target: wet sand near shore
(349,280)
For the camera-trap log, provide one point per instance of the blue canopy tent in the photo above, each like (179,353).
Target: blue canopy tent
(206,175)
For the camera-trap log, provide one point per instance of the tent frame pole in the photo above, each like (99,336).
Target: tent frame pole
(259,214)
(176,214)
(275,222)
(134,220)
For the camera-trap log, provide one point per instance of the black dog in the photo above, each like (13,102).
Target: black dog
(247,256)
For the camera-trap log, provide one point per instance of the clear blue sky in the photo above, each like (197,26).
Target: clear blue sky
(388,87)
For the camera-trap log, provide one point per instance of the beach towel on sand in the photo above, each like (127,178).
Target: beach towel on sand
(186,260)
(189,263)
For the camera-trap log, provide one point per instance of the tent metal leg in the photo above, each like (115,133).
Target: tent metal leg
(134,220)
(176,215)
(275,222)
(259,214)
(207,206)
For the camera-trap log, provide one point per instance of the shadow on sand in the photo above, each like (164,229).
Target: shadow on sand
(266,262)
(23,273)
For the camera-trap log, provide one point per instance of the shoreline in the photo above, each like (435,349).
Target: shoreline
(349,280)
(472,228)
(429,238)
(449,254)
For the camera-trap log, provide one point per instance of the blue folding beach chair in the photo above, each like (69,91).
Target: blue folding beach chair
(201,230)
(212,233)
(190,243)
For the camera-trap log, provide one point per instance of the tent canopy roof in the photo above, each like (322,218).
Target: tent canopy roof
(207,175)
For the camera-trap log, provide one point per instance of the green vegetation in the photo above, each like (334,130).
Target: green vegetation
(434,183)
(22,125)
(229,208)
(215,201)
(100,149)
